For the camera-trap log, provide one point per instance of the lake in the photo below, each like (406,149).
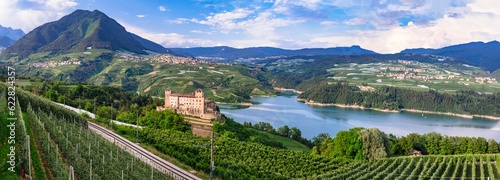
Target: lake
(312,120)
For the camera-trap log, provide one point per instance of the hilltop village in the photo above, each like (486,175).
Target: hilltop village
(163,58)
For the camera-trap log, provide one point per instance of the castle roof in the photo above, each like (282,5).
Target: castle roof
(183,95)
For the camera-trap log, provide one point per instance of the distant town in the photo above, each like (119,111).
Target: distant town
(163,58)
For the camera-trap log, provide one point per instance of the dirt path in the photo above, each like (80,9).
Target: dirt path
(215,94)
(44,164)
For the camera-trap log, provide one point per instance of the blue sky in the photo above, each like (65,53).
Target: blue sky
(384,26)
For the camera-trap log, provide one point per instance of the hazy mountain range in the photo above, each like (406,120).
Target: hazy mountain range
(230,53)
(8,36)
(486,55)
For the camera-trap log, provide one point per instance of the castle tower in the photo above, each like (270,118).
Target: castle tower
(200,100)
(199,93)
(168,92)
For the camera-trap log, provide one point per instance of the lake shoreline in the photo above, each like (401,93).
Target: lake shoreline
(284,89)
(240,104)
(467,116)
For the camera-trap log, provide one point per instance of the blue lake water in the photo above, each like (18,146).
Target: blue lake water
(312,120)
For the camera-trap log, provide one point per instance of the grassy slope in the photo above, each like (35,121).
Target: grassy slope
(155,77)
(222,83)
(287,142)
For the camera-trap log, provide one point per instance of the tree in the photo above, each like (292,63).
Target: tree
(395,146)
(295,133)
(51,94)
(375,143)
(410,142)
(284,131)
(446,146)
(431,142)
(164,120)
(126,117)
(247,124)
(105,112)
(347,144)
(492,147)
(317,140)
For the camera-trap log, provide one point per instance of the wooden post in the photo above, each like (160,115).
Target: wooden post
(212,167)
(90,169)
(29,154)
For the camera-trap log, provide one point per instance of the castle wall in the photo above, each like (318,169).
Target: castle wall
(190,104)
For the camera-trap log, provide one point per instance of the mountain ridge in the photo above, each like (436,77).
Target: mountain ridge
(483,54)
(11,33)
(5,41)
(79,30)
(231,53)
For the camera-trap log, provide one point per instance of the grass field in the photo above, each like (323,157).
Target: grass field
(287,142)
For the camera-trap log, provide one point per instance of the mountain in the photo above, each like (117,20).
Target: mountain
(486,55)
(79,30)
(229,53)
(13,34)
(6,41)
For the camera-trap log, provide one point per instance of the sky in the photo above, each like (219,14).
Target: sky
(384,26)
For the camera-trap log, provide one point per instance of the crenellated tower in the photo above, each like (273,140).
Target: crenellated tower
(168,92)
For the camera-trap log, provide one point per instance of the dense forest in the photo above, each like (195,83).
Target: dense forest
(393,98)
(370,144)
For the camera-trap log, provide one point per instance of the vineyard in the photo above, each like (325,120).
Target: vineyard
(239,160)
(247,160)
(420,168)
(70,150)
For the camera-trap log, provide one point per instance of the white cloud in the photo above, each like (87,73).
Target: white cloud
(480,23)
(141,16)
(162,8)
(477,21)
(201,32)
(256,27)
(329,23)
(15,14)
(309,4)
(179,21)
(355,21)
(225,20)
(168,39)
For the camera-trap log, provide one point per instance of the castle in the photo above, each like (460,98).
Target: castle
(190,104)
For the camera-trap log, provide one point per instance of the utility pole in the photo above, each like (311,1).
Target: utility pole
(111,120)
(137,128)
(95,112)
(212,167)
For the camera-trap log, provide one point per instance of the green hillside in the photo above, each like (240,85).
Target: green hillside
(417,72)
(221,82)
